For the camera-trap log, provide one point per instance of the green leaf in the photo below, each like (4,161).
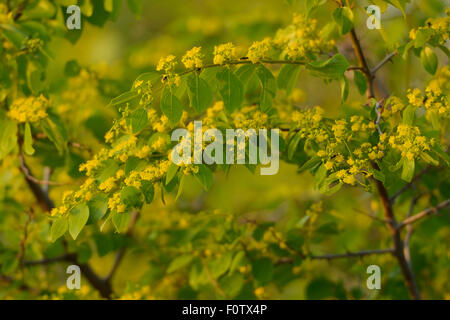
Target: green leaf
(124,97)
(78,217)
(171,172)
(344,19)
(331,68)
(245,73)
(181,186)
(148,190)
(344,89)
(262,270)
(35,77)
(293,145)
(360,81)
(429,60)
(14,35)
(120,220)
(152,76)
(269,88)
(55,133)
(312,5)
(204,176)
(171,106)
(8,136)
(409,114)
(442,154)
(131,197)
(408,170)
(139,120)
(287,78)
(59,227)
(399,4)
(311,163)
(135,7)
(200,94)
(377,174)
(221,264)
(98,206)
(231,89)
(180,262)
(72,68)
(28,140)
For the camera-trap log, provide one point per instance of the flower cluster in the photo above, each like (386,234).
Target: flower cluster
(224,53)
(193,58)
(167,64)
(302,38)
(436,30)
(259,50)
(409,141)
(29,109)
(435,98)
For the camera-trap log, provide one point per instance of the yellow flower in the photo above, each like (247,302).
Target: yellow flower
(167,64)
(30,109)
(108,184)
(193,58)
(259,50)
(224,53)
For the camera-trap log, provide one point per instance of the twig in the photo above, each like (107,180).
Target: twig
(363,63)
(351,254)
(23,242)
(383,62)
(212,280)
(409,184)
(29,176)
(121,253)
(423,214)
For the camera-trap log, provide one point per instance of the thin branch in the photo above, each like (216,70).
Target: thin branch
(23,242)
(409,184)
(383,62)
(363,63)
(121,253)
(409,231)
(46,261)
(423,214)
(44,201)
(29,176)
(351,254)
(212,280)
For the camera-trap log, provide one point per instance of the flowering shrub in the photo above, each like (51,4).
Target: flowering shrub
(383,145)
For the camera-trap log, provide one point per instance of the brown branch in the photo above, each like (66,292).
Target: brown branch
(351,254)
(100,284)
(44,201)
(383,62)
(363,63)
(121,253)
(23,242)
(409,184)
(399,252)
(423,214)
(212,280)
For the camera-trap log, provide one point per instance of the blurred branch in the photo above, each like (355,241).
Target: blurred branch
(121,253)
(351,254)
(23,242)
(423,214)
(212,280)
